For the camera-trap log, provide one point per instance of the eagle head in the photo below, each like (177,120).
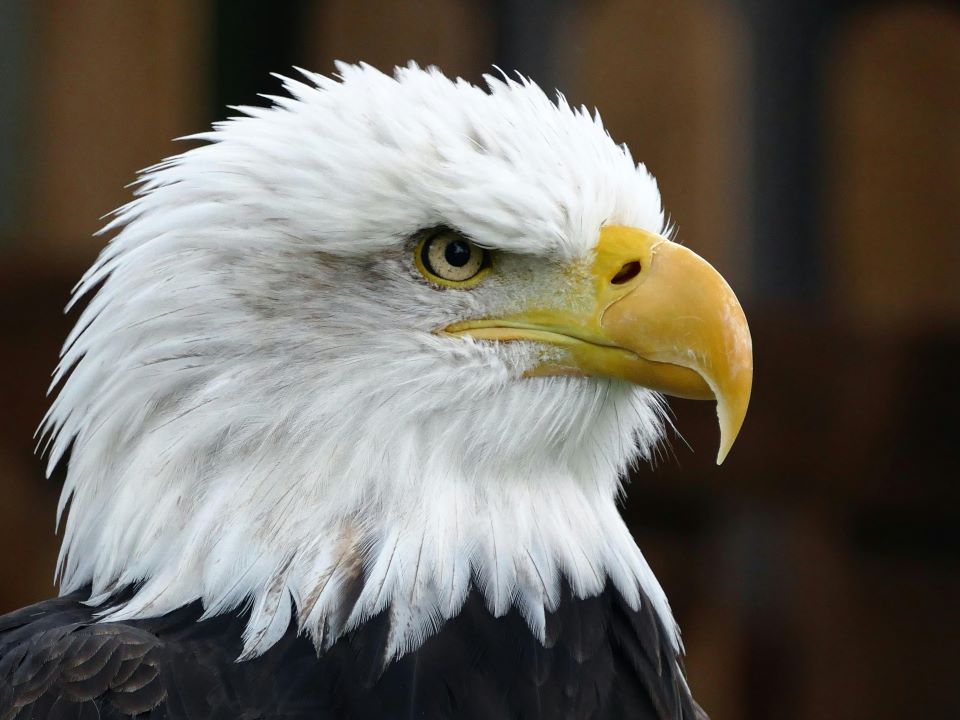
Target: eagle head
(389,340)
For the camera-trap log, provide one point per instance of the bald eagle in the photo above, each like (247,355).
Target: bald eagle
(349,411)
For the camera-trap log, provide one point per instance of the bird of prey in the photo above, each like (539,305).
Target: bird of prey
(348,414)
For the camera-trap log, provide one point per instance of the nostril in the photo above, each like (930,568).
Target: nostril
(628,272)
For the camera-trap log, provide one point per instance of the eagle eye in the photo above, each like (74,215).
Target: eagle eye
(445,257)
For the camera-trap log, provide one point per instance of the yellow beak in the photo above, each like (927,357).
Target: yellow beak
(656,314)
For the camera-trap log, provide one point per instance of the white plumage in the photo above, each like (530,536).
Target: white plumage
(258,402)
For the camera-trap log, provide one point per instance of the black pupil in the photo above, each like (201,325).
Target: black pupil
(457,253)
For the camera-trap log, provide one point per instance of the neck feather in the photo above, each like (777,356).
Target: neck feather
(339,531)
(419,564)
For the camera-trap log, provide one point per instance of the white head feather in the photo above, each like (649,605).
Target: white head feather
(259,408)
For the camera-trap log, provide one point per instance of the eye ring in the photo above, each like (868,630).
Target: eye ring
(447,258)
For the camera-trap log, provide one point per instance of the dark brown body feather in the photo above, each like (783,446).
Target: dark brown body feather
(602,660)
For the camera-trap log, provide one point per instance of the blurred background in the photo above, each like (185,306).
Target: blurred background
(810,149)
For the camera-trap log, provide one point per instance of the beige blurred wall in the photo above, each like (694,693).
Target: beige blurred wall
(113,83)
(455,35)
(893,181)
